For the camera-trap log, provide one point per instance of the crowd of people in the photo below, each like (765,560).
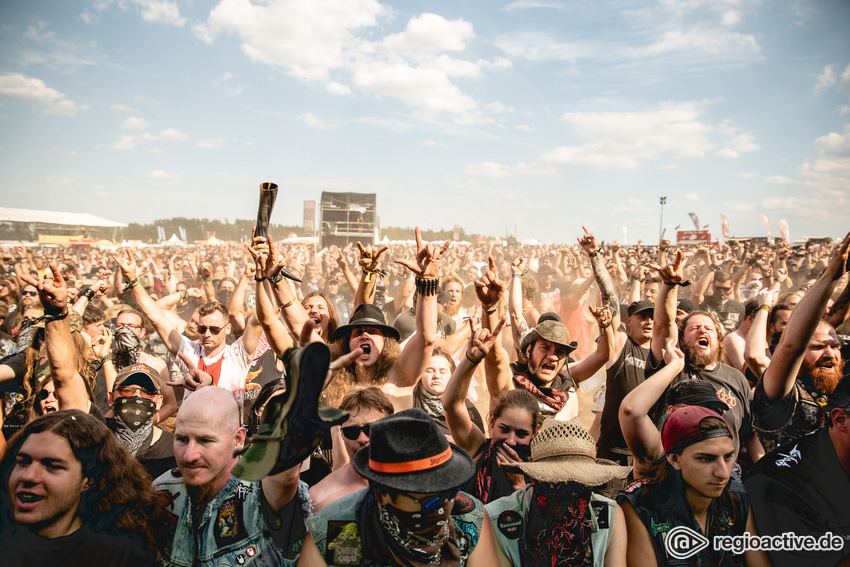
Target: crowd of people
(426,404)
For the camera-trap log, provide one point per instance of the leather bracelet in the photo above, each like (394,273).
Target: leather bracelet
(49,318)
(427,287)
(256,279)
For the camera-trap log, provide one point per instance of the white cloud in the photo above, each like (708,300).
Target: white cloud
(434,144)
(131,142)
(730,18)
(749,175)
(123,108)
(64,181)
(64,57)
(135,124)
(313,121)
(212,143)
(487,169)
(431,33)
(32,90)
(527,128)
(741,206)
(692,196)
(825,79)
(844,110)
(498,108)
(156,11)
(727,153)
(162,174)
(337,88)
(530,5)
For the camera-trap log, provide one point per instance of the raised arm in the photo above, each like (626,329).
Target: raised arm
(755,347)
(497,372)
(782,372)
(639,431)
(590,245)
(838,313)
(71,390)
(604,351)
(370,259)
(163,326)
(417,351)
(664,316)
(235,307)
(464,432)
(277,334)
(518,324)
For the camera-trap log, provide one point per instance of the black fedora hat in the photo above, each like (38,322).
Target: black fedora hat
(407,452)
(366,315)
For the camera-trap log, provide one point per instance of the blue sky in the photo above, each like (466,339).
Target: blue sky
(534,115)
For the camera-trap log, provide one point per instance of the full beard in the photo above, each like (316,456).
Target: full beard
(824,379)
(701,361)
(452,310)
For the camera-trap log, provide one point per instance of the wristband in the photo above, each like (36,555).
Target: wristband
(277,278)
(89,294)
(764,307)
(427,287)
(287,304)
(470,359)
(516,276)
(594,253)
(685,283)
(131,284)
(491,310)
(256,279)
(49,318)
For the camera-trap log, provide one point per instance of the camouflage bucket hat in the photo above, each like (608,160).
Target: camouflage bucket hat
(294,422)
(552,331)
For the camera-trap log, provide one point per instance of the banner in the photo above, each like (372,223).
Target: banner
(625,235)
(309,218)
(693,237)
(695,220)
(724,223)
(766,225)
(783,230)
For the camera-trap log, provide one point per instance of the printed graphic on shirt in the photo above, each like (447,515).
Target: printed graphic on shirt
(230,524)
(344,544)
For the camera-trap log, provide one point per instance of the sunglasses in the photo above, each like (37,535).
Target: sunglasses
(130,390)
(352,432)
(722,289)
(32,293)
(130,325)
(202,330)
(44,394)
(434,501)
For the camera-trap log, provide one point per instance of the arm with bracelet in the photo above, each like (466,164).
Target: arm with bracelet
(497,370)
(370,258)
(417,352)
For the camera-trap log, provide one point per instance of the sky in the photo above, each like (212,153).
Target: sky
(531,117)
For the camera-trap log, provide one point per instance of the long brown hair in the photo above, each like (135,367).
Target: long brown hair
(120,501)
(345,379)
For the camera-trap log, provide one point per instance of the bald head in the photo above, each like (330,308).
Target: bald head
(212,405)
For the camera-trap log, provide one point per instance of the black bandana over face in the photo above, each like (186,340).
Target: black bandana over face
(416,538)
(490,482)
(133,420)
(558,526)
(127,348)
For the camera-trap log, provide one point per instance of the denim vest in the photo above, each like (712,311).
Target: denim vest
(507,514)
(232,530)
(720,524)
(342,519)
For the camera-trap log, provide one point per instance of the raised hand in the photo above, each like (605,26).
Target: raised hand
(370,256)
(673,357)
(427,258)
(518,266)
(127,263)
(193,379)
(489,287)
(53,294)
(588,242)
(602,315)
(481,341)
(672,272)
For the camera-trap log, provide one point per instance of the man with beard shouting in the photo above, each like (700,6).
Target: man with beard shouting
(806,365)
(700,336)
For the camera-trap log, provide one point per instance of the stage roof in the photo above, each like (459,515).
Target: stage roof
(55,217)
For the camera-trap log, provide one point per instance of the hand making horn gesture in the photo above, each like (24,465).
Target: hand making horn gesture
(427,258)
(52,294)
(671,273)
(370,256)
(489,287)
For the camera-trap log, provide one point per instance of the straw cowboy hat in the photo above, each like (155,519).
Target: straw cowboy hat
(564,451)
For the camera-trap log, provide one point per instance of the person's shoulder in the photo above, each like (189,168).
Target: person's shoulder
(347,505)
(169,480)
(792,462)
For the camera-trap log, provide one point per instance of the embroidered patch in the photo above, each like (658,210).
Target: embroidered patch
(229,524)
(463,504)
(344,547)
(663,527)
(243,490)
(510,524)
(601,509)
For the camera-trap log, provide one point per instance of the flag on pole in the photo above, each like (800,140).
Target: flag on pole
(724,223)
(783,230)
(695,219)
(766,224)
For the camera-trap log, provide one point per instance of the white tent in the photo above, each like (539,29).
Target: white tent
(174,241)
(8,214)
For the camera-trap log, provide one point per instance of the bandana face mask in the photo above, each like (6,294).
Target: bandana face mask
(134,411)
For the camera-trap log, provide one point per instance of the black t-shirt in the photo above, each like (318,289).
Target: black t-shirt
(19,547)
(801,487)
(729,312)
(731,388)
(789,417)
(624,376)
